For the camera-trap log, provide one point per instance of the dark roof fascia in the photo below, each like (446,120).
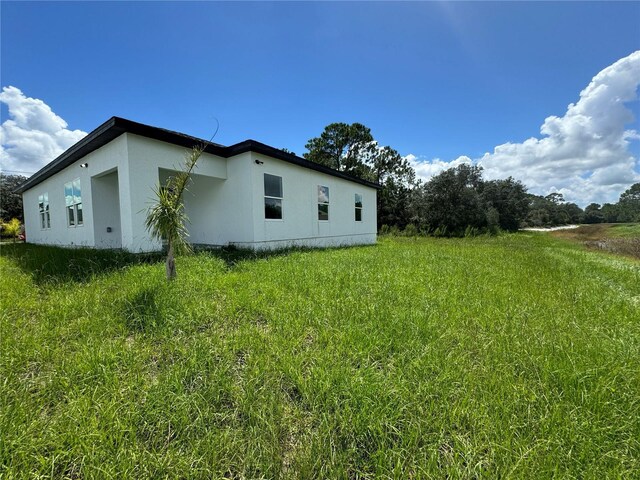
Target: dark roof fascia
(261,148)
(169,136)
(76,151)
(109,130)
(116,126)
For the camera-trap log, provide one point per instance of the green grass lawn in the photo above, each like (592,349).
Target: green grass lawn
(508,357)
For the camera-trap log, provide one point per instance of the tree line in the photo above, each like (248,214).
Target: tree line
(10,201)
(458,201)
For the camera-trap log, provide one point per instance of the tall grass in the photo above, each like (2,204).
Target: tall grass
(626,230)
(618,238)
(516,356)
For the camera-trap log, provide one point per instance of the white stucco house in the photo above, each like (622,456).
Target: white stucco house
(96,194)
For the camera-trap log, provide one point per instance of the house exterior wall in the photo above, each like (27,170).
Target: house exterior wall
(146,158)
(220,210)
(106,210)
(300,224)
(224,201)
(109,157)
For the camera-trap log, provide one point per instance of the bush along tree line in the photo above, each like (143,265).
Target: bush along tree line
(456,202)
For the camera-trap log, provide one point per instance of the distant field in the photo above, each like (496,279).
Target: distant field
(620,238)
(508,357)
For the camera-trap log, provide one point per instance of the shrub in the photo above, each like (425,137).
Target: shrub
(470,231)
(440,231)
(11,229)
(411,231)
(392,231)
(493,221)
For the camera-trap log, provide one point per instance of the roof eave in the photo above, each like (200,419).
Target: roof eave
(116,126)
(261,148)
(56,165)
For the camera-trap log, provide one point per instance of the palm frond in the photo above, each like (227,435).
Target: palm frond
(166,218)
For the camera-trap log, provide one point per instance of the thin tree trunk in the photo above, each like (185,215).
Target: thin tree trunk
(171,263)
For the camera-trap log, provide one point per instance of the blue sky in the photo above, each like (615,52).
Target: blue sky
(436,80)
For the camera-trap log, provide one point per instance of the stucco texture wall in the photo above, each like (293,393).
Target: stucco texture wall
(224,201)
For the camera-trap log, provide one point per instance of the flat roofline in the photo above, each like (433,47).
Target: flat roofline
(116,126)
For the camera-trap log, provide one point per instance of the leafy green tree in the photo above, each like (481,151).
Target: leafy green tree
(353,150)
(555,198)
(10,201)
(632,194)
(166,218)
(342,147)
(572,212)
(509,199)
(629,204)
(557,213)
(538,215)
(450,201)
(610,212)
(592,213)
(386,163)
(387,167)
(394,204)
(551,211)
(459,202)
(493,221)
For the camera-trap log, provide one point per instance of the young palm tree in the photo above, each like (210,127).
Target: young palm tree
(166,218)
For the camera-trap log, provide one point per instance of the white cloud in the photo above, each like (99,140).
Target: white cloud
(584,154)
(33,135)
(323,194)
(426,169)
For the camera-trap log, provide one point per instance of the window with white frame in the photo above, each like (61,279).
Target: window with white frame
(272,197)
(323,202)
(73,201)
(43,207)
(358,206)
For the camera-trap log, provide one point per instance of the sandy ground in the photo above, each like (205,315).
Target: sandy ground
(551,229)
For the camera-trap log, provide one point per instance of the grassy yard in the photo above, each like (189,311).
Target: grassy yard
(508,357)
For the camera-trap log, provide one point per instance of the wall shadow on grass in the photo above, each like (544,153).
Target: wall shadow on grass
(146,310)
(48,264)
(232,256)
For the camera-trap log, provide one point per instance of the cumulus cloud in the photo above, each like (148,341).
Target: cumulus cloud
(33,135)
(584,154)
(426,169)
